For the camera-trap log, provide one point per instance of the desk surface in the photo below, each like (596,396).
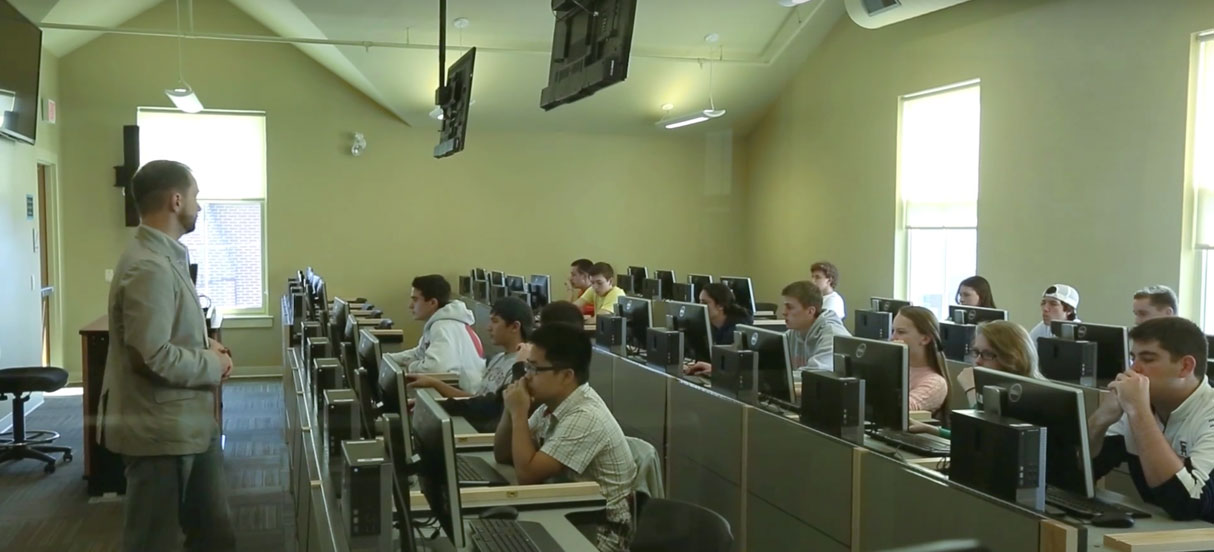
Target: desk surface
(100,325)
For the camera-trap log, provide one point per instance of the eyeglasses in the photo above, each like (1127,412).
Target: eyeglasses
(985,354)
(532,369)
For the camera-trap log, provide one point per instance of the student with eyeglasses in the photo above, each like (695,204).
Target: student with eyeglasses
(998,345)
(571,436)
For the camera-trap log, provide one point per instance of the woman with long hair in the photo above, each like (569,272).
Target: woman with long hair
(917,328)
(975,291)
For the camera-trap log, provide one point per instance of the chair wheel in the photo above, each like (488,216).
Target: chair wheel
(50,468)
(67,458)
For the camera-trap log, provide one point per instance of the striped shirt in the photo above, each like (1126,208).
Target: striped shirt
(584,437)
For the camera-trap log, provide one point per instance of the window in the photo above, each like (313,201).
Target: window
(1203,172)
(938,189)
(227,153)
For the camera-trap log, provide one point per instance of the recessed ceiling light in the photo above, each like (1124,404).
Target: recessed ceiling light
(792,3)
(461,23)
(712,38)
(667,106)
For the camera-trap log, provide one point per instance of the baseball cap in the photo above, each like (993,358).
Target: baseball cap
(1064,293)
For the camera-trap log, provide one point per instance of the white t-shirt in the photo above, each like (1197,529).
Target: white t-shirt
(1043,330)
(834,302)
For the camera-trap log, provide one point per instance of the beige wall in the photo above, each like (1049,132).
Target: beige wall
(522,202)
(1082,155)
(21,321)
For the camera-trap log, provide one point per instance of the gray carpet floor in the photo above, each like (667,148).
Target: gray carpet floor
(41,512)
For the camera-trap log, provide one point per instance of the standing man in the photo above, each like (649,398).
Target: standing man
(158,396)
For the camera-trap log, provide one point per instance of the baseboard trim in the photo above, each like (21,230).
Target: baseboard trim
(6,421)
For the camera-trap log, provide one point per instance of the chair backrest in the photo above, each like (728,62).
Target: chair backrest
(957,397)
(670,526)
(648,482)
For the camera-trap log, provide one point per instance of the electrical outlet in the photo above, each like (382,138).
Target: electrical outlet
(109,275)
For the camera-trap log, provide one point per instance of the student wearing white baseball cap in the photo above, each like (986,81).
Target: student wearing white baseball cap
(1058,302)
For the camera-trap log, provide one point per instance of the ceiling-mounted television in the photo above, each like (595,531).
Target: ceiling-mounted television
(20,58)
(590,47)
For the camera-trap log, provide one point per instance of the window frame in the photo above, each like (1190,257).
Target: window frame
(904,263)
(237,314)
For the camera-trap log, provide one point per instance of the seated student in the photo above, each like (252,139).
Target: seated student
(724,315)
(998,345)
(826,276)
(1154,302)
(1158,419)
(917,328)
(1058,302)
(448,342)
(572,436)
(510,321)
(579,282)
(603,294)
(975,291)
(811,328)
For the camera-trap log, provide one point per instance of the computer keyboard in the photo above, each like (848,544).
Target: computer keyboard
(781,403)
(918,443)
(473,471)
(1084,507)
(500,535)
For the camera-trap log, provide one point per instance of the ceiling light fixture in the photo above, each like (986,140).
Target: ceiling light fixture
(183,95)
(792,3)
(695,117)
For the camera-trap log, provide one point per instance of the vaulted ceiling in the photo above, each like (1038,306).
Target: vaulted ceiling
(761,45)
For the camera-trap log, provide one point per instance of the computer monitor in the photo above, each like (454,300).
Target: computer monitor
(369,354)
(400,396)
(1112,344)
(590,49)
(885,304)
(497,278)
(638,273)
(496,293)
(873,324)
(651,288)
(1060,409)
(515,283)
(957,340)
(698,281)
(683,292)
(626,283)
(692,320)
(456,99)
(974,315)
(337,319)
(775,362)
(884,368)
(479,274)
(465,286)
(480,290)
(541,291)
(743,291)
(639,316)
(436,474)
(667,278)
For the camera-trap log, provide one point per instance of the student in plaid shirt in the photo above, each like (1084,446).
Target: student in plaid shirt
(572,436)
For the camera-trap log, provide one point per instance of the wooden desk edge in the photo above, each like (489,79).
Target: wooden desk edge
(474,439)
(1056,536)
(1180,540)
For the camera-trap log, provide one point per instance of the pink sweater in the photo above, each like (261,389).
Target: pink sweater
(928,390)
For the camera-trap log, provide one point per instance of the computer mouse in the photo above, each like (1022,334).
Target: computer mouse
(500,512)
(1114,520)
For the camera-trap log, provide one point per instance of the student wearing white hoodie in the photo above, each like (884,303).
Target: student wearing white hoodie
(811,328)
(449,342)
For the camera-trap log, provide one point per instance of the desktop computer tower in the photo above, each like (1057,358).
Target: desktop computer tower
(1069,361)
(326,374)
(610,332)
(833,404)
(664,349)
(999,456)
(366,495)
(733,373)
(315,347)
(338,421)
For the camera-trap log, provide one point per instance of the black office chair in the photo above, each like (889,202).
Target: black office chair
(21,444)
(670,526)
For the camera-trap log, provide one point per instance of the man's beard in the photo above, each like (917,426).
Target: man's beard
(188,222)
